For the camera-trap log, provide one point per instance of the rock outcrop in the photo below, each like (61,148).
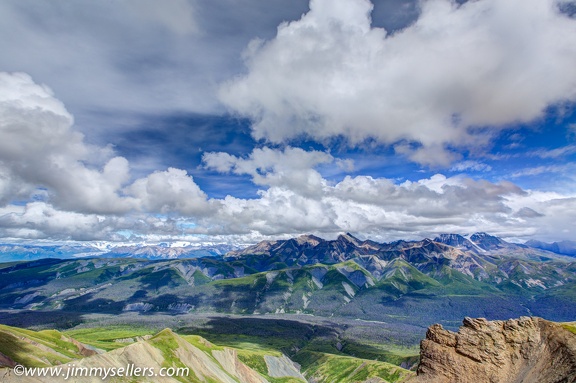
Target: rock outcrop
(525,350)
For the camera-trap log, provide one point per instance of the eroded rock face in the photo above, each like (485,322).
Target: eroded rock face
(525,350)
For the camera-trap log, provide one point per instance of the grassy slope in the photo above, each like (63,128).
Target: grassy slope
(325,368)
(106,338)
(571,326)
(317,354)
(316,358)
(37,349)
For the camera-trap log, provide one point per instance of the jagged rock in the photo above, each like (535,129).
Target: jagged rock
(525,350)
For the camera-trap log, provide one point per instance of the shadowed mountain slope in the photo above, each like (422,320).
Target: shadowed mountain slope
(413,282)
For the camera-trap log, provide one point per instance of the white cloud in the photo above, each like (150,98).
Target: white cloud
(544,169)
(122,61)
(553,153)
(292,168)
(86,192)
(170,191)
(40,148)
(380,207)
(471,165)
(387,210)
(41,220)
(110,55)
(486,62)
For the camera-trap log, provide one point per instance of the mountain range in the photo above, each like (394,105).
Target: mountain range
(563,247)
(173,250)
(31,251)
(301,309)
(408,282)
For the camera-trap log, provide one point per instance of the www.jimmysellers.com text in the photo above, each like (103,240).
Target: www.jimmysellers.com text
(71,371)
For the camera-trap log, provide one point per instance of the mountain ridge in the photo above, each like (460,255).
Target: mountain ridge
(414,281)
(562,247)
(181,249)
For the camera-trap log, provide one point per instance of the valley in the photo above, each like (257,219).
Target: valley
(284,350)
(343,310)
(260,349)
(414,283)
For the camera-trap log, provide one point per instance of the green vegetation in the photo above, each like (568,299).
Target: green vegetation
(166,343)
(36,349)
(201,343)
(570,327)
(389,353)
(109,338)
(57,348)
(200,279)
(325,368)
(255,360)
(415,285)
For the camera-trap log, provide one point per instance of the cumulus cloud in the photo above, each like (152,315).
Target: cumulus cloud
(54,185)
(40,148)
(292,168)
(423,89)
(41,220)
(170,191)
(379,207)
(38,220)
(384,209)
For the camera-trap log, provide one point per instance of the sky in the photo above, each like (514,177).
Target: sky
(234,121)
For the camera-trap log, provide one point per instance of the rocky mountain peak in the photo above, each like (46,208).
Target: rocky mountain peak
(487,241)
(309,239)
(349,238)
(528,350)
(455,240)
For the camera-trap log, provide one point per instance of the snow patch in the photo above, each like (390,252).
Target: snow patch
(317,282)
(305,300)
(140,306)
(349,289)
(534,282)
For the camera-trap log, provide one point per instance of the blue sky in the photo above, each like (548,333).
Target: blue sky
(236,121)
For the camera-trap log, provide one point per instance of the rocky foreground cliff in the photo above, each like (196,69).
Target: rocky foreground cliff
(525,350)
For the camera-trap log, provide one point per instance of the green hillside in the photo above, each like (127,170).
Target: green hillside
(40,348)
(251,361)
(414,283)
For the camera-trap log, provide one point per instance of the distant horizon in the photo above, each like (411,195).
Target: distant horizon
(103,245)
